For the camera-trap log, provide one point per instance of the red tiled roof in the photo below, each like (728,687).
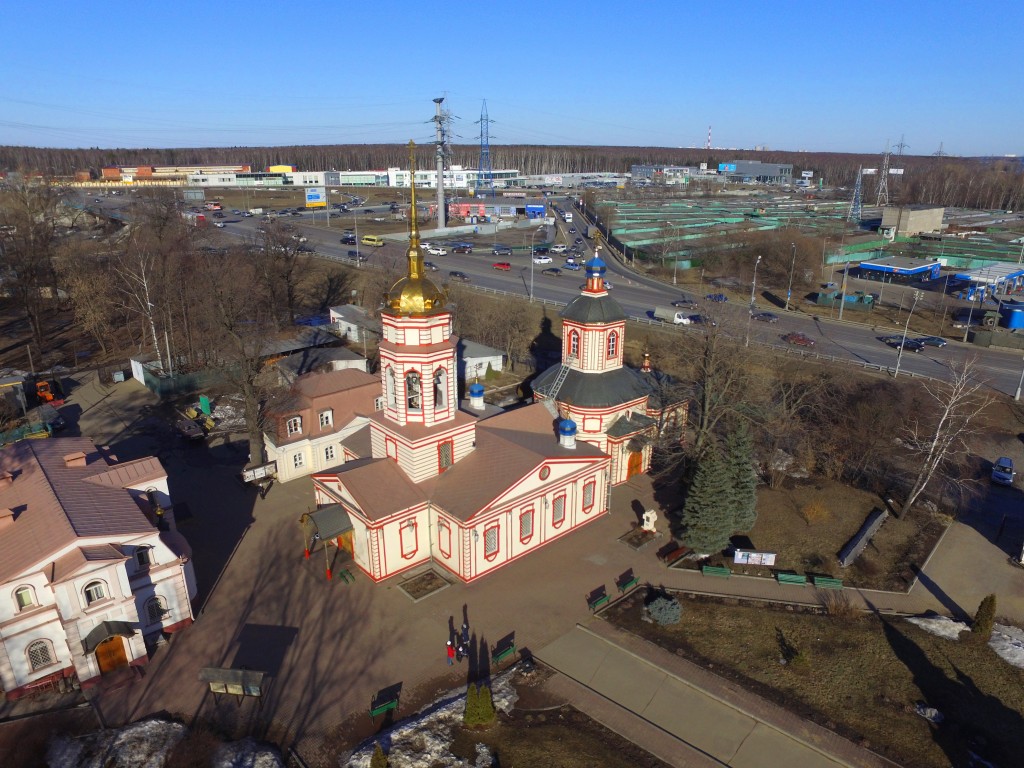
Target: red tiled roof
(56,505)
(379,487)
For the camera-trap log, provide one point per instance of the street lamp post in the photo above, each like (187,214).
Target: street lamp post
(750,313)
(792,266)
(1020,384)
(899,357)
(675,259)
(531,262)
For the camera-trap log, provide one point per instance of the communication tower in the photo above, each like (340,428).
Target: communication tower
(485,173)
(883,180)
(857,204)
(708,145)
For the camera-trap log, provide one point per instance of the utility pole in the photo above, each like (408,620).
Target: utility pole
(439,120)
(750,312)
(792,266)
(899,357)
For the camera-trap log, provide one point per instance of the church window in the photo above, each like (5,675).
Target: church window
(574,344)
(329,453)
(444,538)
(588,496)
(526,525)
(299,460)
(390,386)
(144,557)
(444,455)
(156,609)
(40,654)
(558,511)
(408,538)
(491,541)
(412,391)
(294,425)
(613,344)
(326,419)
(25,597)
(440,389)
(94,592)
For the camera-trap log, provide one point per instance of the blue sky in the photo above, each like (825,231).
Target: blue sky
(819,76)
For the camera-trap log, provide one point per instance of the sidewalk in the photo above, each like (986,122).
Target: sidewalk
(722,723)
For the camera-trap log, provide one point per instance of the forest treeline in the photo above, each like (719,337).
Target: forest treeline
(990,183)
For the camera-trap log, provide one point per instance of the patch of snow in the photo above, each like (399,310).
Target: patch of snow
(247,754)
(940,625)
(1008,642)
(425,739)
(146,744)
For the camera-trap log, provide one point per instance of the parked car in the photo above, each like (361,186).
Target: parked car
(1002,471)
(461,276)
(799,339)
(932,341)
(578,241)
(552,272)
(701,320)
(684,304)
(765,317)
(540,250)
(348,240)
(717,298)
(572,266)
(430,265)
(907,346)
(504,266)
(437,251)
(560,248)
(305,249)
(541,259)
(501,250)
(572,230)
(462,249)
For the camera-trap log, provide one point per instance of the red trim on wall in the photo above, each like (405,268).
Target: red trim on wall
(561,522)
(405,529)
(533,525)
(444,536)
(441,468)
(592,484)
(496,527)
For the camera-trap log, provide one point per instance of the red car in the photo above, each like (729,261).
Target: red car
(504,266)
(800,339)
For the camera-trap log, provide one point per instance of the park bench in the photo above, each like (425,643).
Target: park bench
(499,655)
(827,582)
(791,578)
(598,601)
(716,570)
(385,706)
(626,585)
(346,576)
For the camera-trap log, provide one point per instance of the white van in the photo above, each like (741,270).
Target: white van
(560,248)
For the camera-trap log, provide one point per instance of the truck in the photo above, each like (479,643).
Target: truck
(590,231)
(672,315)
(568,217)
(256,211)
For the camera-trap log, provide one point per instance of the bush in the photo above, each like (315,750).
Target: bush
(837,604)
(665,610)
(815,512)
(479,707)
(379,759)
(981,630)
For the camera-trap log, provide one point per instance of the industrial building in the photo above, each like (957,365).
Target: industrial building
(900,269)
(456,177)
(668,175)
(755,170)
(166,172)
(910,220)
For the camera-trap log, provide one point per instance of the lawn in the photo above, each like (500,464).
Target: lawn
(860,677)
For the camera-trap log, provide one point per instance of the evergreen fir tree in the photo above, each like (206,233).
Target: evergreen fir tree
(471,716)
(379,759)
(485,706)
(739,457)
(984,619)
(708,514)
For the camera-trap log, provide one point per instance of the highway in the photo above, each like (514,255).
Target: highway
(638,295)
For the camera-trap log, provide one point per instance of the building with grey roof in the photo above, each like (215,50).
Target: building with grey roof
(92,569)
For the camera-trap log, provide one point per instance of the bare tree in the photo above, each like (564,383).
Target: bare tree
(933,442)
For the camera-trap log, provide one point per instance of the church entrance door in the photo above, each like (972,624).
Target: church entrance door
(345,542)
(110,654)
(636,464)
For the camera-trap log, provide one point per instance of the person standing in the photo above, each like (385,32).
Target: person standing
(465,634)
(451,654)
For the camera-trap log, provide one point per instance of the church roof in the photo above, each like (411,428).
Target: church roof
(516,441)
(379,487)
(596,390)
(628,424)
(594,309)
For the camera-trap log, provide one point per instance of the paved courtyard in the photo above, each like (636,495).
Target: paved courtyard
(330,647)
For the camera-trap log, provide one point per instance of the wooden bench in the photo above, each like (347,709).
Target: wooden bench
(499,656)
(625,586)
(797,579)
(715,570)
(598,601)
(380,709)
(346,576)
(827,582)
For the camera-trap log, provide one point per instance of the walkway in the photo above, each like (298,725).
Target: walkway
(716,722)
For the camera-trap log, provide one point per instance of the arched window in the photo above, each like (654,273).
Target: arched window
(156,610)
(25,597)
(440,389)
(412,391)
(390,385)
(94,592)
(574,344)
(40,654)
(613,344)
(144,557)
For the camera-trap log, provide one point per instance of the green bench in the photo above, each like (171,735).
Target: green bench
(715,570)
(797,579)
(499,656)
(380,709)
(598,601)
(346,576)
(625,586)
(827,582)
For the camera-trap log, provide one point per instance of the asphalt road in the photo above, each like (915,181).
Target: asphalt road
(639,295)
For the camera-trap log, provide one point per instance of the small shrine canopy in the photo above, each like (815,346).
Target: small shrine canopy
(330,521)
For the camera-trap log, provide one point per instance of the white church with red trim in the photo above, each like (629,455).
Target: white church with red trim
(467,487)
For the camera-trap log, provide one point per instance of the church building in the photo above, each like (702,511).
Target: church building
(471,488)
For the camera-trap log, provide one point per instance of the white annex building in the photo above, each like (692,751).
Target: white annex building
(91,568)
(465,489)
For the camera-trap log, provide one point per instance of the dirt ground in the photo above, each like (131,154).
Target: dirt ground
(860,677)
(23,743)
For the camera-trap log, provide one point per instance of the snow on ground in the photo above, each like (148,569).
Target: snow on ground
(425,739)
(146,744)
(1008,642)
(247,754)
(940,625)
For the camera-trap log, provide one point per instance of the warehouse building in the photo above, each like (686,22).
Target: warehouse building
(755,170)
(668,175)
(910,220)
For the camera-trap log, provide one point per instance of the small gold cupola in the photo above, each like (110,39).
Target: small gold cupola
(414,294)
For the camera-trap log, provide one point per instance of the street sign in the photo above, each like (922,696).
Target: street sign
(316,197)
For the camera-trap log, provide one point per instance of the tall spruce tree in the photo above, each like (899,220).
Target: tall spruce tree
(739,458)
(708,514)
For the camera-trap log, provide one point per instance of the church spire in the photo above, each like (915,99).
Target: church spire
(415,251)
